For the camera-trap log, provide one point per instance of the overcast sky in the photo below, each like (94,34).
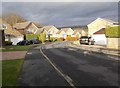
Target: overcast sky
(62,13)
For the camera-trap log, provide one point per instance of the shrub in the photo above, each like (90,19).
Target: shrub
(60,39)
(113,32)
(42,37)
(8,43)
(52,39)
(31,36)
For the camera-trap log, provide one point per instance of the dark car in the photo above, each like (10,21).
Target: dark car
(87,40)
(34,41)
(24,42)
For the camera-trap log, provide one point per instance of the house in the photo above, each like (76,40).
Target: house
(68,32)
(61,34)
(2,27)
(26,28)
(9,33)
(96,29)
(50,31)
(40,30)
(76,34)
(13,35)
(82,30)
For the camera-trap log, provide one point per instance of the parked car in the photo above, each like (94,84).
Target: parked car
(24,42)
(87,40)
(34,41)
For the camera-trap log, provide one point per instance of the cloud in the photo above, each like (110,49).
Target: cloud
(62,14)
(61,1)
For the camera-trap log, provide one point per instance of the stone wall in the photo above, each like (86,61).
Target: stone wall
(113,43)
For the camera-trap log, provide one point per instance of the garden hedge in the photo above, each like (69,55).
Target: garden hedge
(113,32)
(31,36)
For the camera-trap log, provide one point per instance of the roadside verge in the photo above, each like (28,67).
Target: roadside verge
(97,49)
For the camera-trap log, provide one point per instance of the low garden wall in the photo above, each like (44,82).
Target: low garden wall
(113,43)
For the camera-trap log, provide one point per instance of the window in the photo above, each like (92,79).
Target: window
(29,30)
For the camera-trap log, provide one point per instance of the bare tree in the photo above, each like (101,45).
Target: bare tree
(13,18)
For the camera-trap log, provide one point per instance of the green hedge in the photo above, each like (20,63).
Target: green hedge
(31,36)
(113,32)
(8,43)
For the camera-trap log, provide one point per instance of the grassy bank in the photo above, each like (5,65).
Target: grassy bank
(11,71)
(16,48)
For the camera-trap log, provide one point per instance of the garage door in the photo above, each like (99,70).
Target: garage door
(16,40)
(100,39)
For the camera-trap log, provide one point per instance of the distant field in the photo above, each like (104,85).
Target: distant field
(11,71)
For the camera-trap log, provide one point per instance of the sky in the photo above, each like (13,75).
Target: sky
(62,14)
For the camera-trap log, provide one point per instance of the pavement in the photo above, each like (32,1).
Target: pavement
(114,53)
(13,55)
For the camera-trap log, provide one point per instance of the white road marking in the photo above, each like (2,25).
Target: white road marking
(29,53)
(66,77)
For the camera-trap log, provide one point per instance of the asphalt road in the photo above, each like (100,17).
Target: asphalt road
(37,71)
(83,67)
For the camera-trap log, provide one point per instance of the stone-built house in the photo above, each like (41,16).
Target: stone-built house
(96,29)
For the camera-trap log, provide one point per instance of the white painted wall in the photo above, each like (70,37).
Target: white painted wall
(15,40)
(100,39)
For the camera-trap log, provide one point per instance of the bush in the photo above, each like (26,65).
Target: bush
(31,36)
(8,43)
(42,37)
(113,32)
(60,39)
(52,39)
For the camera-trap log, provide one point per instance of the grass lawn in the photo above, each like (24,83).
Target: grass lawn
(16,48)
(10,71)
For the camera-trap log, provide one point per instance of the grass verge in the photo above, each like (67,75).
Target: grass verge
(10,71)
(16,48)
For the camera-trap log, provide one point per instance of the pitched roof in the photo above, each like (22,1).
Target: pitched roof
(12,32)
(9,30)
(76,31)
(101,31)
(66,29)
(108,20)
(40,30)
(60,31)
(21,25)
(104,19)
(47,27)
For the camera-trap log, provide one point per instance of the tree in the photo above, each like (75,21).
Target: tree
(13,18)
(42,37)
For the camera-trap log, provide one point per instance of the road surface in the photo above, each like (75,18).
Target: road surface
(59,65)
